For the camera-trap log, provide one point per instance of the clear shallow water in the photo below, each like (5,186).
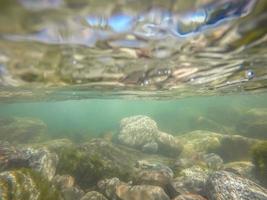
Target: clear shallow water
(162,96)
(101,116)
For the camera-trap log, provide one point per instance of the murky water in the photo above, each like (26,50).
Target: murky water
(133,100)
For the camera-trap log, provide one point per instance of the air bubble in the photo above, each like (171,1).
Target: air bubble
(250,74)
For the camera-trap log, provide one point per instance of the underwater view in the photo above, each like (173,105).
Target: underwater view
(133,100)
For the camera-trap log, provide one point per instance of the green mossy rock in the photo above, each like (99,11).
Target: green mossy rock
(228,147)
(20,130)
(26,184)
(99,159)
(259,156)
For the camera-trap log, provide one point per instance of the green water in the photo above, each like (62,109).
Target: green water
(101,116)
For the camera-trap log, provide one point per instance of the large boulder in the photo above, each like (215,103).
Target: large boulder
(137,131)
(228,147)
(22,130)
(141,132)
(223,185)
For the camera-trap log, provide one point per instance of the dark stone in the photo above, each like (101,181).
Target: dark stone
(223,185)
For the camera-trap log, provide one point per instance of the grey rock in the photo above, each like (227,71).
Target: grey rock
(141,132)
(168,145)
(156,174)
(183,163)
(152,165)
(223,185)
(191,180)
(43,161)
(213,161)
(93,195)
(151,147)
(12,157)
(40,160)
(108,187)
(136,131)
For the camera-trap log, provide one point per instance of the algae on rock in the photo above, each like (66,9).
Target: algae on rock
(22,130)
(259,156)
(98,159)
(26,184)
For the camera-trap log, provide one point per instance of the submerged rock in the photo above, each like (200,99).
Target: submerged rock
(189,197)
(40,160)
(26,184)
(22,130)
(72,193)
(43,161)
(168,145)
(223,185)
(253,123)
(55,145)
(208,162)
(141,132)
(156,175)
(259,157)
(66,185)
(117,190)
(242,168)
(150,147)
(99,159)
(213,161)
(108,187)
(141,192)
(191,180)
(137,131)
(64,181)
(228,147)
(93,195)
(11,157)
